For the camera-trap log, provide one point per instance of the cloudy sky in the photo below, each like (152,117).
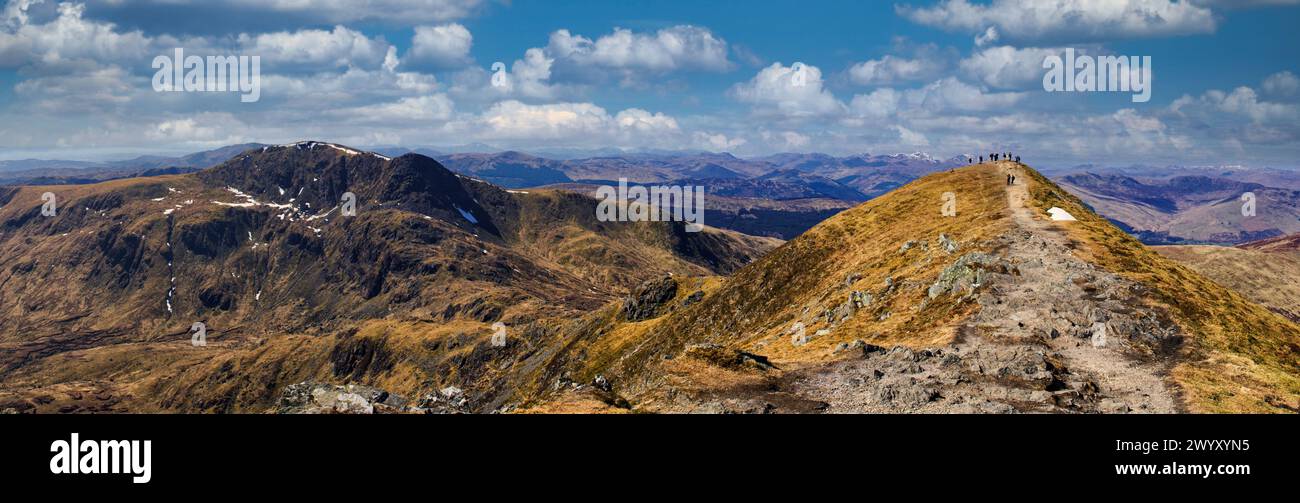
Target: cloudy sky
(947,77)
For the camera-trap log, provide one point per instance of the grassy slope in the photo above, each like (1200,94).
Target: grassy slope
(1241,357)
(1271,279)
(756,307)
(150,365)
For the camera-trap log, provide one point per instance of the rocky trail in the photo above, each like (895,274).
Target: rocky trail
(1053,334)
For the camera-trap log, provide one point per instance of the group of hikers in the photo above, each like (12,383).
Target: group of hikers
(997,156)
(1003,156)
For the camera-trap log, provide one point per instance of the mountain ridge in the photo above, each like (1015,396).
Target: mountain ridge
(1042,316)
(97,299)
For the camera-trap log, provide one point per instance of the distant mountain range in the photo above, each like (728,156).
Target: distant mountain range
(783,195)
(851,178)
(778,196)
(1272,177)
(1188,209)
(55,172)
(866,174)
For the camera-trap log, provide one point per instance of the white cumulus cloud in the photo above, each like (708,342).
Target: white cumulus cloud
(891,70)
(1067,20)
(1282,84)
(676,48)
(790,91)
(442,46)
(340,47)
(1007,67)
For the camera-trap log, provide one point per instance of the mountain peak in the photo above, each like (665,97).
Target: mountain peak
(314,144)
(313,175)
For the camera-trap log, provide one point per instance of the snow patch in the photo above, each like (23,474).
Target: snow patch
(468,216)
(237,205)
(343,149)
(1060,215)
(314,217)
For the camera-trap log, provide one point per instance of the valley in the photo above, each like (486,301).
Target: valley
(1190,209)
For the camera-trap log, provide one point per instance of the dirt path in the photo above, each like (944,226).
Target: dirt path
(1055,334)
(1057,290)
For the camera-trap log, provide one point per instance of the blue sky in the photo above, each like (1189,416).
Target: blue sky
(945,77)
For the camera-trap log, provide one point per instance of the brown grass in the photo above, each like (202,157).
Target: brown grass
(1271,279)
(755,308)
(1241,357)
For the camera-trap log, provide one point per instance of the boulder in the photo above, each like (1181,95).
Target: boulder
(320,398)
(649,299)
(722,356)
(947,244)
(968,273)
